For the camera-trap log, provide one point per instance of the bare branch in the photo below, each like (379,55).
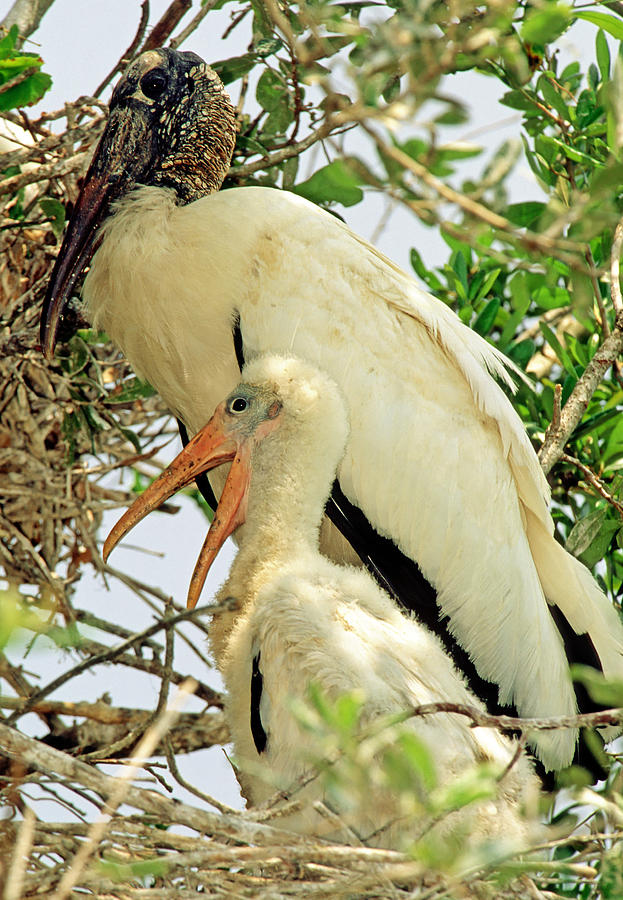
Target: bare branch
(579,399)
(13,82)
(128,56)
(31,752)
(514,723)
(145,749)
(27,15)
(615,263)
(108,655)
(167,23)
(594,481)
(194,23)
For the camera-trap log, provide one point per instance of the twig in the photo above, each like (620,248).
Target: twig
(128,56)
(615,263)
(144,750)
(594,481)
(278,156)
(599,300)
(515,723)
(17,79)
(166,24)
(44,172)
(15,875)
(31,752)
(175,772)
(193,24)
(107,656)
(128,739)
(528,239)
(579,399)
(27,15)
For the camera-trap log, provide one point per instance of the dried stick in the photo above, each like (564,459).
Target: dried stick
(27,15)
(193,24)
(106,656)
(515,723)
(594,481)
(168,21)
(615,262)
(23,844)
(31,752)
(144,750)
(126,57)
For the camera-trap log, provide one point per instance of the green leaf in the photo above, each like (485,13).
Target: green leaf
(591,536)
(548,298)
(518,100)
(420,758)
(270,90)
(230,70)
(606,692)
(602,52)
(427,275)
(552,95)
(477,784)
(267,46)
(541,26)
(459,266)
(558,349)
(612,25)
(525,214)
(335,183)
(7,44)
(486,318)
(55,212)
(133,389)
(522,352)
(574,154)
(27,92)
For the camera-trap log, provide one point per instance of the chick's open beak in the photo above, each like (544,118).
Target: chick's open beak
(214,445)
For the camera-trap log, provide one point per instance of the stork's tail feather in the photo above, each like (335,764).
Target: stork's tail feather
(571,589)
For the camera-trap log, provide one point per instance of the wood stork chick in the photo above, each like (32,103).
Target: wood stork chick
(304,619)
(439,491)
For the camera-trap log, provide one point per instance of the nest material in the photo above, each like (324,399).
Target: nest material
(52,415)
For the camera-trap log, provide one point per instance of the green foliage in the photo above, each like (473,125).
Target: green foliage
(13,64)
(359,760)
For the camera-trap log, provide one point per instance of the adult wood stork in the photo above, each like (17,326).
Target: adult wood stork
(439,492)
(302,619)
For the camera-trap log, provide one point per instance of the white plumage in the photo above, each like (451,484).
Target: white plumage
(437,459)
(303,619)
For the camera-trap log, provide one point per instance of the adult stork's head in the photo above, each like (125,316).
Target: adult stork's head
(170,124)
(284,429)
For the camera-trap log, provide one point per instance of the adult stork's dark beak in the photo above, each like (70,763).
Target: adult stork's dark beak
(170,124)
(123,156)
(218,442)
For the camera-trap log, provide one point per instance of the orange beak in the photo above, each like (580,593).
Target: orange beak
(214,445)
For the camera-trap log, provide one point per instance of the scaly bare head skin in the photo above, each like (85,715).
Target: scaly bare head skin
(170,124)
(249,414)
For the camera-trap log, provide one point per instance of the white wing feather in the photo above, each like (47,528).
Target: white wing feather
(437,459)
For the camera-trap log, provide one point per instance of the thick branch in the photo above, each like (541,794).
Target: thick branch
(51,762)
(27,15)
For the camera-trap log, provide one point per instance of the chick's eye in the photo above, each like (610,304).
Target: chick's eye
(238,404)
(154,83)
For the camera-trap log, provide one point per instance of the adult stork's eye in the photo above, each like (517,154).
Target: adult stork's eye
(238,405)
(154,83)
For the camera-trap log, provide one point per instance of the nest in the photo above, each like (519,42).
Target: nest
(59,421)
